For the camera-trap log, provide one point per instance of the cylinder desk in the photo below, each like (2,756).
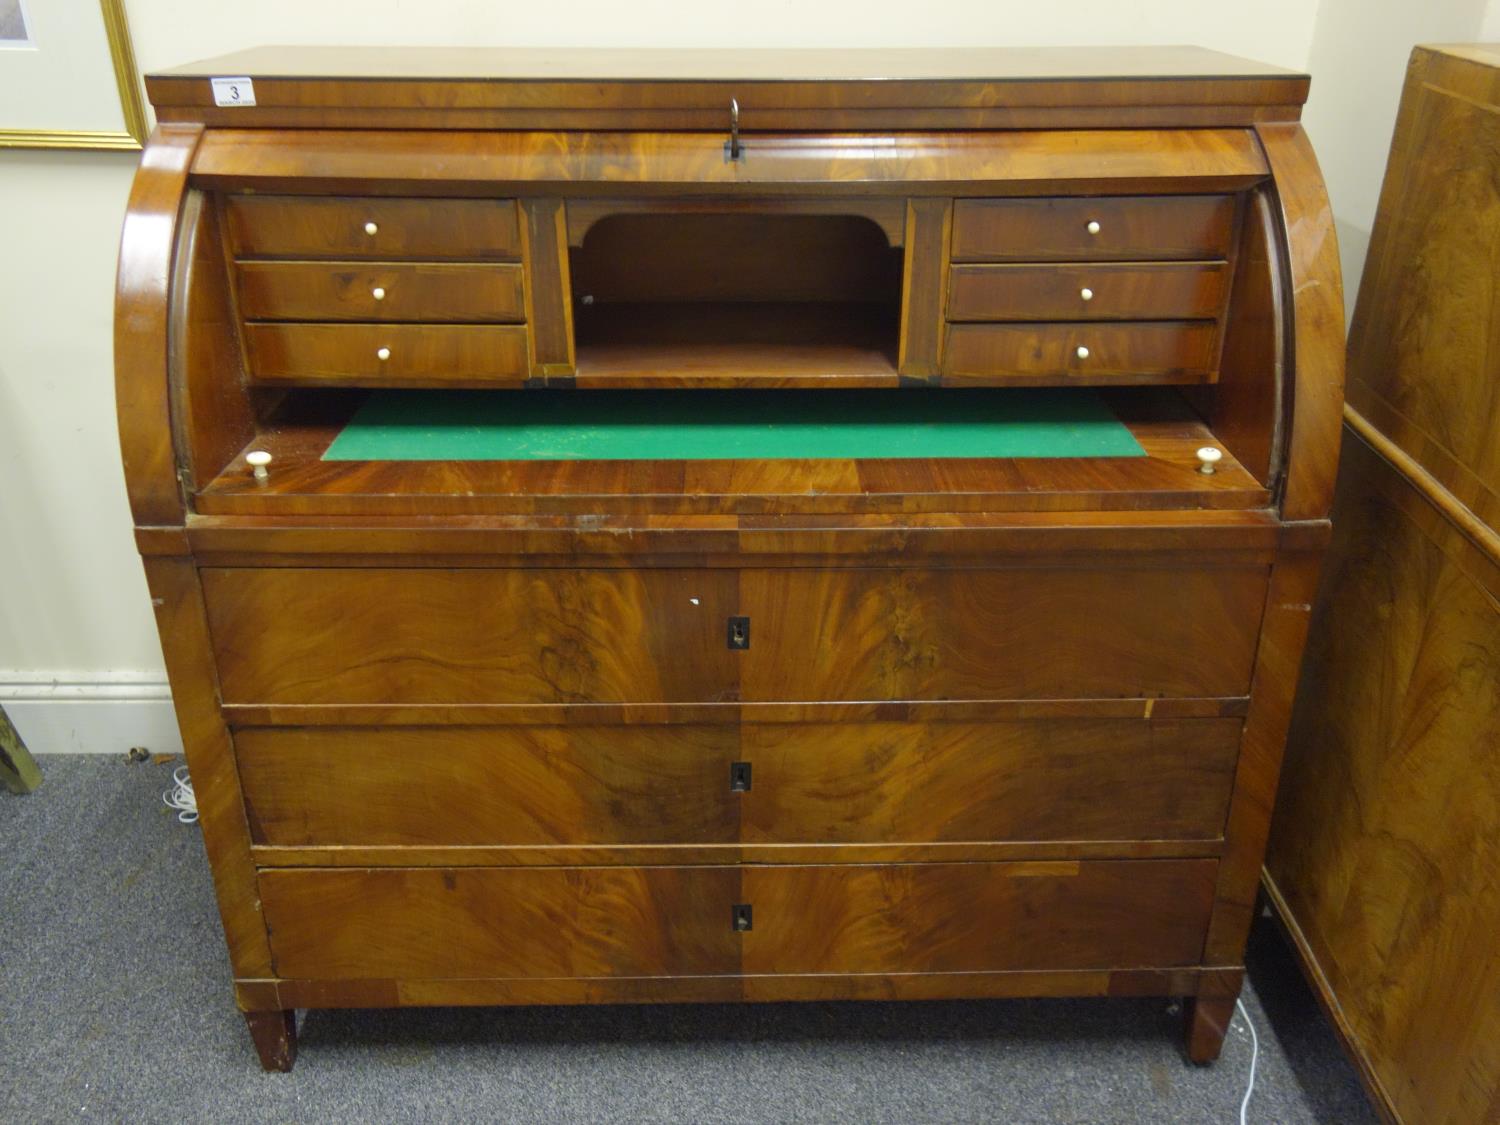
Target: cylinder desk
(730,525)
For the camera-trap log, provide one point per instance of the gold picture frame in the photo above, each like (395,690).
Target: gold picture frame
(132,101)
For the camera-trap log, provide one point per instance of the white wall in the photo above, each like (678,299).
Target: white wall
(1358,63)
(73,606)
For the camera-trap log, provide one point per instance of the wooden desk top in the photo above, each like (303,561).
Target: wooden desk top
(999,87)
(987,64)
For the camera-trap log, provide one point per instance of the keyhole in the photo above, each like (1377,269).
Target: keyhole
(739,632)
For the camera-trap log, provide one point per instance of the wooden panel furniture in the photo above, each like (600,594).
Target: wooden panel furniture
(668,726)
(1387,840)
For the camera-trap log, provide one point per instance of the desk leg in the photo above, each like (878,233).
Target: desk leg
(18,770)
(275,1036)
(1208,1021)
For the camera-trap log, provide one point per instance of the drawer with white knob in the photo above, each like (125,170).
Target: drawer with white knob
(292,226)
(388,355)
(454,292)
(1114,228)
(1088,291)
(1083,353)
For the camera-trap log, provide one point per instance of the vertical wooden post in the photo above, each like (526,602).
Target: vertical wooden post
(549,297)
(924,295)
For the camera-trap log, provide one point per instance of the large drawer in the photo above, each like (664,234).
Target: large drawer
(807,783)
(1090,291)
(438,636)
(381,291)
(373,355)
(1117,228)
(433,923)
(1160,352)
(301,226)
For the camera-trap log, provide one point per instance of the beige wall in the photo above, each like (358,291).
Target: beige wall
(1358,63)
(72,602)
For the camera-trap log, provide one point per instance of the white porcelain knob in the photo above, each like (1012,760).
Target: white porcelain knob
(258,459)
(371,228)
(1082,352)
(382,353)
(1208,457)
(378,293)
(1093,227)
(1086,293)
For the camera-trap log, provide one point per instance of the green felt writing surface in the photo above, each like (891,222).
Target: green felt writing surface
(730,425)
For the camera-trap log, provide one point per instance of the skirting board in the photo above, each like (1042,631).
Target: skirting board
(93,714)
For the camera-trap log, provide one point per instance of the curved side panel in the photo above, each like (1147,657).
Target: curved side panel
(1317,308)
(142,293)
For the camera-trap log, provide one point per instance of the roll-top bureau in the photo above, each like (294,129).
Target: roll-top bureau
(730,526)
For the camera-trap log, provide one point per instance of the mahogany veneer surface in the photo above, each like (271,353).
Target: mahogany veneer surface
(855,727)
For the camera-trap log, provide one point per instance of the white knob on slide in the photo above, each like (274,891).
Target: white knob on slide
(258,459)
(1208,458)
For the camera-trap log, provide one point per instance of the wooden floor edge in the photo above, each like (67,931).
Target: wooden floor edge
(1485,538)
(1317,980)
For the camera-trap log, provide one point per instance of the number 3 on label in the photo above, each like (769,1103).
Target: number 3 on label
(233,91)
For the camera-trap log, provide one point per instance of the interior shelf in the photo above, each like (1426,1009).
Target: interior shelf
(736,344)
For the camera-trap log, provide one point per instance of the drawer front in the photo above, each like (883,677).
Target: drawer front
(1136,228)
(1095,291)
(381,291)
(429,923)
(392,355)
(1091,353)
(428,636)
(813,783)
(425,923)
(977,917)
(291,226)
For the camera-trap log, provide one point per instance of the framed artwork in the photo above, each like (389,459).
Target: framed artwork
(68,77)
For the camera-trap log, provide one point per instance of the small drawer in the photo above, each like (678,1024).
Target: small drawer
(295,226)
(1084,353)
(389,355)
(381,291)
(793,783)
(520,922)
(1140,228)
(1095,291)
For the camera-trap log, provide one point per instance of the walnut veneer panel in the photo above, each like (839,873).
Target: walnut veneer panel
(1422,353)
(1135,229)
(689,89)
(315,227)
(1082,354)
(1088,291)
(1387,834)
(806,783)
(676,921)
(969,917)
(380,291)
(423,636)
(387,355)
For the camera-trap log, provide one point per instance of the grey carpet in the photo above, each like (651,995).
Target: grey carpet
(115,1005)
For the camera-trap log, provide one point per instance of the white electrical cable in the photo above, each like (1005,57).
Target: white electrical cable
(1239,1006)
(181,796)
